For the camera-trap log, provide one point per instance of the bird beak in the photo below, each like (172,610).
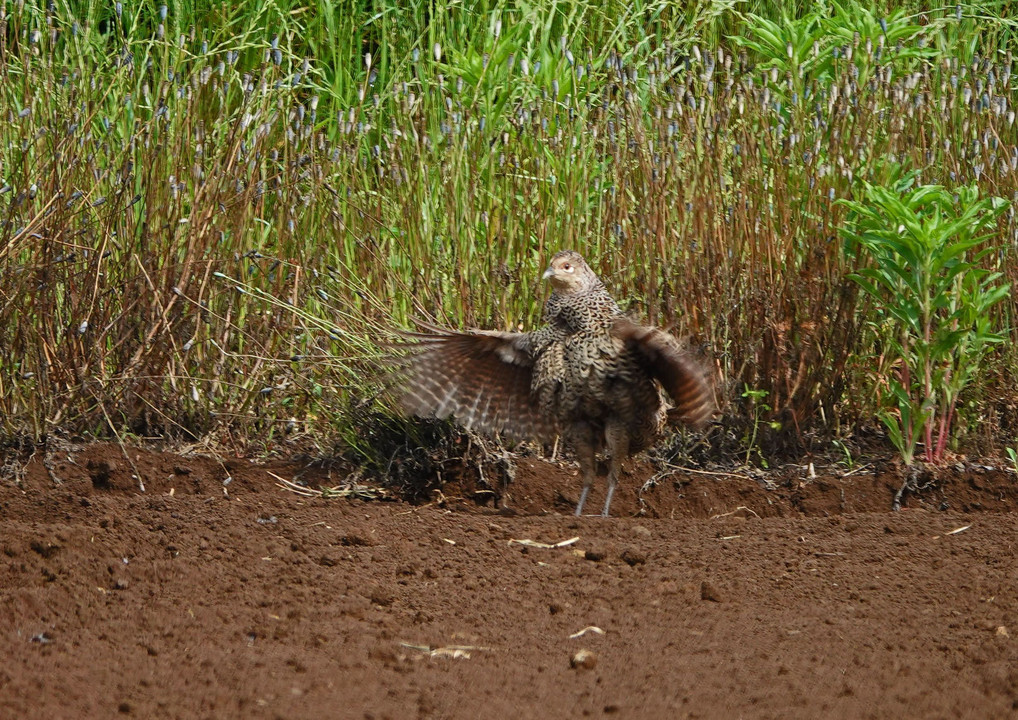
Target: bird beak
(549,273)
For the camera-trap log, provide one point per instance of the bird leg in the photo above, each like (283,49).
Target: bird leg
(617,440)
(583,439)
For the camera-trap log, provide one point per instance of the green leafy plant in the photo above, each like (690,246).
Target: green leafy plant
(870,39)
(928,250)
(755,399)
(793,46)
(848,461)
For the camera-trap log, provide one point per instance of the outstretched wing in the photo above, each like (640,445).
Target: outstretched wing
(680,375)
(481,378)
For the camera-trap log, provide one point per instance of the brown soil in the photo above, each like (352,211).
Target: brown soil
(714,596)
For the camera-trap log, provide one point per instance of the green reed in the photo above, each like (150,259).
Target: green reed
(213,219)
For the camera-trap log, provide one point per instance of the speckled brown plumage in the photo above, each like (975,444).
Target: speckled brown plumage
(590,374)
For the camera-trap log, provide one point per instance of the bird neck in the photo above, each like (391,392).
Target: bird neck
(587,309)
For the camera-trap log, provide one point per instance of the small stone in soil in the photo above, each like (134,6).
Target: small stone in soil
(583,660)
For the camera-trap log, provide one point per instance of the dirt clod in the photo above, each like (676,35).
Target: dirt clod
(709,591)
(632,556)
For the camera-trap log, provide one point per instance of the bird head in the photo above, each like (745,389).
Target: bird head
(568,272)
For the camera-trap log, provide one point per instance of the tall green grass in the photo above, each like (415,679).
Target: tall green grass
(212,217)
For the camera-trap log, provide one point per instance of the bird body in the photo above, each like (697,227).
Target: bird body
(590,374)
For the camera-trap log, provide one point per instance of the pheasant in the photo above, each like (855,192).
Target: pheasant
(590,374)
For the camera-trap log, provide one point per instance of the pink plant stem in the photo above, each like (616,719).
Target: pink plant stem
(946,419)
(945,425)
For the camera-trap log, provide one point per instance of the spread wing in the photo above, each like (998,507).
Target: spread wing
(481,378)
(681,376)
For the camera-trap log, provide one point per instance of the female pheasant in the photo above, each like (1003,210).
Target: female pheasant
(590,374)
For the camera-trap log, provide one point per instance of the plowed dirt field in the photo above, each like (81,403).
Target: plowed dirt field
(708,596)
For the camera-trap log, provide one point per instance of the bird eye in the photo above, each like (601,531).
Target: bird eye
(567,267)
